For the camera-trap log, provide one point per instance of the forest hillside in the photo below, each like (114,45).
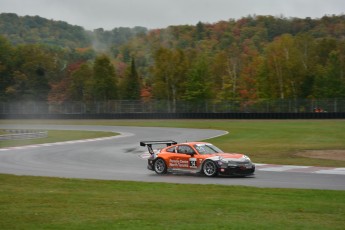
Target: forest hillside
(252,58)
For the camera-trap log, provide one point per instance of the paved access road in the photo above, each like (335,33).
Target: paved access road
(121,158)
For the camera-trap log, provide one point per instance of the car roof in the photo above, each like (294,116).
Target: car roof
(193,143)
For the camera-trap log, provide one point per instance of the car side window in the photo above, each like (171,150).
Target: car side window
(185,149)
(171,149)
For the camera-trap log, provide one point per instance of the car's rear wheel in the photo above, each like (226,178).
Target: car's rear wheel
(210,168)
(160,166)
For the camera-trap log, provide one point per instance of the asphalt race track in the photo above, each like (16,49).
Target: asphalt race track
(121,158)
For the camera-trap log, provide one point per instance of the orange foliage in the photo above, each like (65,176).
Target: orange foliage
(146,94)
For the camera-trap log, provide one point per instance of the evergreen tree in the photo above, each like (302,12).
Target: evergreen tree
(131,86)
(200,31)
(104,79)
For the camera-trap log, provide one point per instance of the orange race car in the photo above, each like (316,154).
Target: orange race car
(196,157)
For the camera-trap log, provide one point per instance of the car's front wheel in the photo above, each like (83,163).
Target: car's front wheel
(210,168)
(160,166)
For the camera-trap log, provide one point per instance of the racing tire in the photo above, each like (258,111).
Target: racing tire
(160,166)
(210,168)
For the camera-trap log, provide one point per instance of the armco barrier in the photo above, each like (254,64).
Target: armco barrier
(179,116)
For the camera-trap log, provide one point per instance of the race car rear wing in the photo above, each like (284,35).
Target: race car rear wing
(150,143)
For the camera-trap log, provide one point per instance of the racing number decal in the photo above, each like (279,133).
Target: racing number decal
(192,163)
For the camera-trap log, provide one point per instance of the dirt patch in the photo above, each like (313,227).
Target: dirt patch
(324,154)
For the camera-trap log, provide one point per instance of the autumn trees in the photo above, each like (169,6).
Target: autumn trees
(253,58)
(28,72)
(249,59)
(302,67)
(169,75)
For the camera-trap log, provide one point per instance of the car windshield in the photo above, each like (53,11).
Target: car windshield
(207,149)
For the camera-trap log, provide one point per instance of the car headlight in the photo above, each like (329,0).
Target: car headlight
(246,157)
(222,162)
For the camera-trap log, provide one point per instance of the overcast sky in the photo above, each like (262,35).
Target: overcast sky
(108,14)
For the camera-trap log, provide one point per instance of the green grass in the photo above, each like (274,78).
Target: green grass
(54,203)
(265,141)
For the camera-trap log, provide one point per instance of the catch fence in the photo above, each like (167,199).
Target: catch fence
(163,106)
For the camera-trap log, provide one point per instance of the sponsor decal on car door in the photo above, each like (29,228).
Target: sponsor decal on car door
(183,159)
(183,162)
(178,162)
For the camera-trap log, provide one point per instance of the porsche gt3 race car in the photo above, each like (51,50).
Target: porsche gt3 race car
(196,157)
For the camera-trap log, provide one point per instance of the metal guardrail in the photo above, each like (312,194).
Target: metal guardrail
(23,134)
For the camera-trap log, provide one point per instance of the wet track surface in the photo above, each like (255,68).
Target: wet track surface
(121,158)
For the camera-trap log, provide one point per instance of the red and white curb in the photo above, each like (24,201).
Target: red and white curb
(300,169)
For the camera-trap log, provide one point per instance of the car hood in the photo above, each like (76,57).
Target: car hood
(230,157)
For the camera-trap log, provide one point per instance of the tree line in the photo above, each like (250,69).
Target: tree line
(255,57)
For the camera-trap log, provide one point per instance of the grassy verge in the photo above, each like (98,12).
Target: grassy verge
(53,203)
(273,141)
(57,136)
(2,132)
